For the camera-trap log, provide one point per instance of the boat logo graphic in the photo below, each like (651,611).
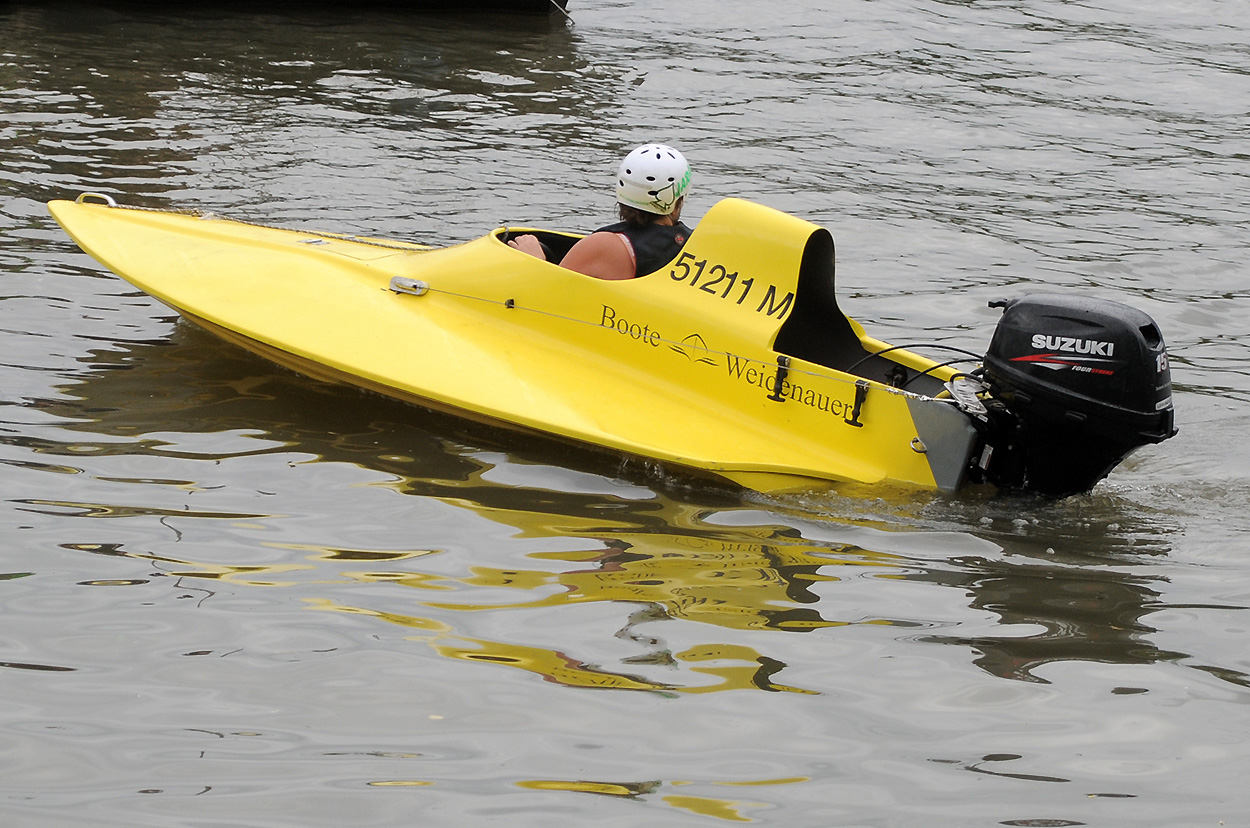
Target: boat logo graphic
(1073,345)
(1087,356)
(1080,364)
(695,349)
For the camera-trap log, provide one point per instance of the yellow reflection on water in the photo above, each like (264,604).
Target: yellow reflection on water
(665,562)
(677,568)
(749,579)
(623,789)
(716,808)
(420,580)
(552,665)
(240,575)
(734,584)
(323,553)
(752,670)
(395,618)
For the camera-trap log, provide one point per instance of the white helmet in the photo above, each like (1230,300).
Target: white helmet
(652,178)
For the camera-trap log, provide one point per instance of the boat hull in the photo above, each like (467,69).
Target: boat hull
(508,7)
(677,367)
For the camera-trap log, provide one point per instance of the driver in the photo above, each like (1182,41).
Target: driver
(650,191)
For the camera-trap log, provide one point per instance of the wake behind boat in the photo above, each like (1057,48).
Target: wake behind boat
(733,360)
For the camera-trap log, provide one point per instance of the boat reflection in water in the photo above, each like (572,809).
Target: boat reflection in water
(733,584)
(703,590)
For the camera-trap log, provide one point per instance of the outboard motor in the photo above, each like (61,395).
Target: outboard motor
(1075,386)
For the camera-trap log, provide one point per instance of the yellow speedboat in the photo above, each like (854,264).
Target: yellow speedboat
(733,360)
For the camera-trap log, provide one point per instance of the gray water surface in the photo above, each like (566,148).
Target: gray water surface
(230,595)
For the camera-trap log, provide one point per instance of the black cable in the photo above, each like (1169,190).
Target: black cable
(851,370)
(935,367)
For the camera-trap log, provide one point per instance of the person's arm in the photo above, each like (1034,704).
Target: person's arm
(529,244)
(602,255)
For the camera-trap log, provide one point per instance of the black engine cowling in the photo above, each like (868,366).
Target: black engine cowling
(1075,386)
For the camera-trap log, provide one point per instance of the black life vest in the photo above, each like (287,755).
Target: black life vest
(655,245)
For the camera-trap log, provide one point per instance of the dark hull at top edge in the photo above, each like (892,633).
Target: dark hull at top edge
(424,6)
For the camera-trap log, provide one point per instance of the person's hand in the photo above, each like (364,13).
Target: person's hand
(528,244)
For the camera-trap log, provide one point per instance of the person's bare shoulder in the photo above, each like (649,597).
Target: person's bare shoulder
(602,255)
